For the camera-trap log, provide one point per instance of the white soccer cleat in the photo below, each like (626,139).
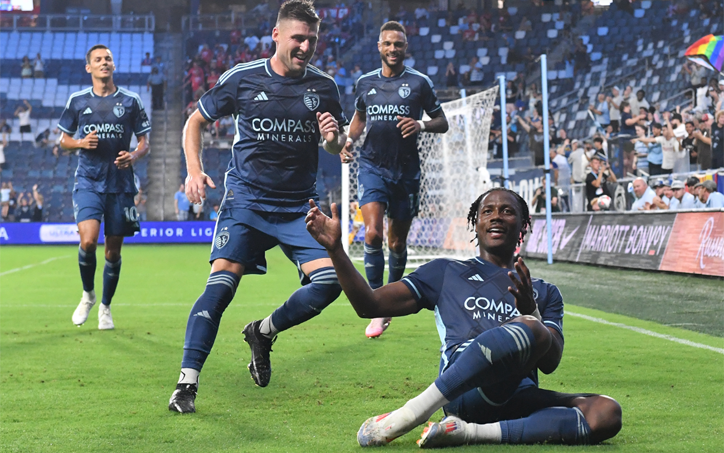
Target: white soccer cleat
(450,432)
(383,429)
(87,301)
(105,320)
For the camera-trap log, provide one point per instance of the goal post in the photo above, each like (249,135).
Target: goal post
(453,174)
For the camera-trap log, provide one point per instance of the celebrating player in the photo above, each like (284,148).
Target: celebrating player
(281,106)
(105,117)
(390,102)
(499,327)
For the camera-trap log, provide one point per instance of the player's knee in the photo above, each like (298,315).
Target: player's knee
(89,245)
(113,255)
(541,334)
(603,415)
(373,236)
(397,245)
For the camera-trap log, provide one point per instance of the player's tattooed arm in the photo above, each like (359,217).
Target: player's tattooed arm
(197,180)
(394,299)
(334,139)
(126,159)
(67,142)
(356,127)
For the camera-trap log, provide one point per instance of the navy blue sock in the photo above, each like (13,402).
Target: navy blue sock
(87,264)
(559,425)
(205,317)
(397,261)
(490,358)
(309,300)
(374,266)
(111,274)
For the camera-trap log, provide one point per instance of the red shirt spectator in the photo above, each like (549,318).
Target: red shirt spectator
(235,36)
(196,74)
(469,35)
(211,79)
(206,54)
(266,52)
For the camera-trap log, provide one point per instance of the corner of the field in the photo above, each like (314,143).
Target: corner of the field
(709,340)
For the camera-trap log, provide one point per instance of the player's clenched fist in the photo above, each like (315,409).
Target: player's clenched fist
(328,126)
(346,155)
(196,187)
(90,141)
(407,126)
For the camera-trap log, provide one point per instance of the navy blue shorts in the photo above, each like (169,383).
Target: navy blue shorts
(116,210)
(401,197)
(243,236)
(515,398)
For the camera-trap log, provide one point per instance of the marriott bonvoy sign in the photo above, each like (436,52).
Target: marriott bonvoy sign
(688,242)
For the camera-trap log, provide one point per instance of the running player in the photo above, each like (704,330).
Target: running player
(105,117)
(282,106)
(498,328)
(390,102)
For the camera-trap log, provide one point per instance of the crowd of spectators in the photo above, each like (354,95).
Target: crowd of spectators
(30,69)
(20,207)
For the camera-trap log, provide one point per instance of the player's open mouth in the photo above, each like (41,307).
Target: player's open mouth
(496,232)
(299,59)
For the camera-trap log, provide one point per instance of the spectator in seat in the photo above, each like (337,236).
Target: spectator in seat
(654,155)
(702,134)
(197,210)
(43,139)
(5,129)
(681,198)
(24,212)
(688,144)
(12,205)
(661,188)
(157,63)
(451,76)
(561,174)
(157,84)
(717,141)
(476,73)
(596,181)
(212,78)
(639,101)
(23,113)
(614,108)
(535,139)
(140,202)
(601,111)
(38,67)
(696,73)
(148,61)
(26,68)
(37,205)
(182,204)
(709,196)
(525,25)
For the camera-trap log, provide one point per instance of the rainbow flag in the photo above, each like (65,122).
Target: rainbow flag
(708,52)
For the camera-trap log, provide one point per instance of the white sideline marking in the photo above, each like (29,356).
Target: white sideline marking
(647,332)
(18,269)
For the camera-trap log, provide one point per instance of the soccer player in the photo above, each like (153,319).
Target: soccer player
(281,106)
(390,102)
(105,117)
(498,328)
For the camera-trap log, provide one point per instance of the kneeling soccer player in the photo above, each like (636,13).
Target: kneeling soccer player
(498,326)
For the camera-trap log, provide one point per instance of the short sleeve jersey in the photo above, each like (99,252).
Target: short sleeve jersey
(274,157)
(470,297)
(383,99)
(114,118)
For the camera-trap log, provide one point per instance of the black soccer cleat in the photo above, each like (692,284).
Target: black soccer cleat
(182,399)
(260,365)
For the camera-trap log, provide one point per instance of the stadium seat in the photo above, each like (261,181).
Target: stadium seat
(435,39)
(424,31)
(639,13)
(602,31)
(545,17)
(448,45)
(520,34)
(432,70)
(454,29)
(450,53)
(646,4)
(553,33)
(439,54)
(483,52)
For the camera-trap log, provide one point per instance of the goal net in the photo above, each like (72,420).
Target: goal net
(453,167)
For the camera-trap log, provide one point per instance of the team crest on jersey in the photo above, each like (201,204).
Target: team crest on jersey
(311,100)
(119,110)
(221,239)
(404,91)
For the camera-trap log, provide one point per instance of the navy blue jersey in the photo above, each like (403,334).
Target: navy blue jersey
(273,165)
(114,118)
(384,151)
(470,297)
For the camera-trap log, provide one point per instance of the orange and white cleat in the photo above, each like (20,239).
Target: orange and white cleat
(377,326)
(450,432)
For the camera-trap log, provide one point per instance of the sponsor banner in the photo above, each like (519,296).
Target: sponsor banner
(635,240)
(697,244)
(67,233)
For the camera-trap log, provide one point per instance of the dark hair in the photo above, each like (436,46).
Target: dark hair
(525,213)
(394,26)
(301,10)
(598,140)
(625,104)
(96,47)
(691,181)
(691,122)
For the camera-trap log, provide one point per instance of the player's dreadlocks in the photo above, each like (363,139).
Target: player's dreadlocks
(475,207)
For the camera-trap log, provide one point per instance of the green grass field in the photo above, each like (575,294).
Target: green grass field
(70,389)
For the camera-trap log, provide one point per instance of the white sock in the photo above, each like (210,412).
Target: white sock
(90,295)
(267,328)
(489,433)
(189,376)
(415,412)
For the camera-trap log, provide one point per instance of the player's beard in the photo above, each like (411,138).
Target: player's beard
(295,65)
(396,64)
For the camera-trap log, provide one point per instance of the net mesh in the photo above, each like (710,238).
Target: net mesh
(453,175)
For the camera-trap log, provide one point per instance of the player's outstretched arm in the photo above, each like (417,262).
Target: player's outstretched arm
(67,142)
(196,180)
(390,300)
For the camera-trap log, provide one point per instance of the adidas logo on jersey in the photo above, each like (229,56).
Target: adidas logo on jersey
(371,92)
(87,111)
(261,97)
(477,278)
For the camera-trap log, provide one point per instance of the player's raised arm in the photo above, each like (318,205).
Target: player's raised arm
(394,299)
(196,179)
